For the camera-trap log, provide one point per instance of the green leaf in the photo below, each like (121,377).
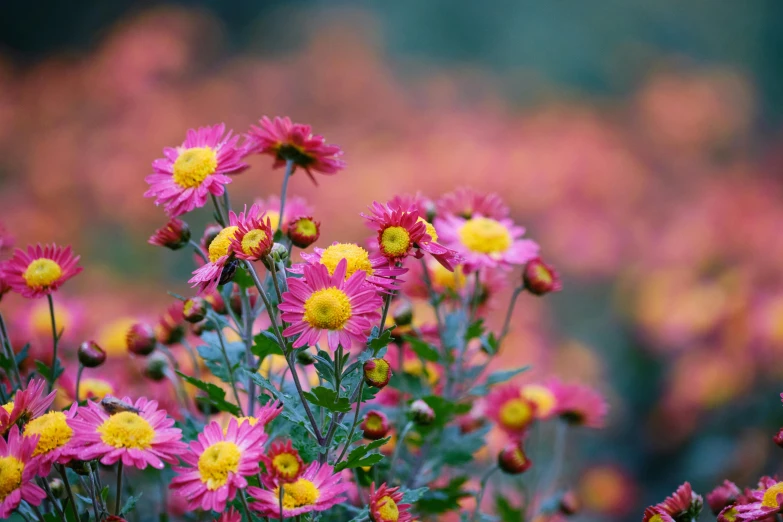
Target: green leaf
(475,330)
(47,372)
(243,279)
(381,341)
(496,378)
(424,350)
(412,495)
(328,399)
(507,512)
(490,343)
(360,456)
(324,366)
(130,504)
(215,394)
(263,346)
(440,500)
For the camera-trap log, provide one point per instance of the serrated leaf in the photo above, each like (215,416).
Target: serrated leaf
(328,399)
(264,345)
(358,457)
(130,504)
(243,279)
(424,350)
(475,330)
(215,394)
(412,495)
(381,341)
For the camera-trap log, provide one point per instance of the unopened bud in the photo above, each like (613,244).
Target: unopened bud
(303,231)
(174,235)
(569,503)
(430,210)
(403,314)
(279,252)
(421,412)
(377,373)
(375,425)
(91,355)
(540,278)
(58,488)
(156,367)
(512,459)
(217,303)
(141,339)
(194,309)
(79,467)
(114,518)
(778,438)
(305,357)
(724,495)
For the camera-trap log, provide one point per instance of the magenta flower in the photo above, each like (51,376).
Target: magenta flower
(386,505)
(41,270)
(27,404)
(17,471)
(466,203)
(54,437)
(580,405)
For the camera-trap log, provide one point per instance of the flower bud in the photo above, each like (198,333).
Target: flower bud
(141,339)
(79,467)
(229,271)
(114,518)
(216,301)
(569,503)
(512,459)
(305,357)
(112,406)
(171,326)
(303,231)
(403,314)
(540,278)
(58,488)
(377,373)
(156,367)
(278,253)
(421,413)
(194,309)
(724,495)
(375,425)
(778,438)
(174,235)
(430,209)
(91,355)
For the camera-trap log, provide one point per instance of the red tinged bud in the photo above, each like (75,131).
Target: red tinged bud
(377,373)
(91,355)
(540,278)
(141,339)
(156,367)
(722,496)
(217,303)
(194,309)
(303,231)
(778,438)
(174,235)
(513,460)
(375,425)
(421,412)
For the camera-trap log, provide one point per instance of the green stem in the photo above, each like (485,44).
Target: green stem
(289,169)
(267,304)
(400,443)
(55,341)
(50,495)
(118,496)
(247,326)
(480,497)
(9,351)
(245,507)
(37,512)
(507,321)
(220,216)
(353,426)
(198,251)
(71,498)
(230,370)
(281,492)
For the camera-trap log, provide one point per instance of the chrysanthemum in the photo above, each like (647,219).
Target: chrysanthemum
(232,515)
(295,206)
(485,241)
(418,202)
(580,405)
(173,235)
(221,256)
(402,232)
(654,514)
(171,328)
(253,239)
(344,308)
(544,396)
(317,489)
(41,270)
(284,140)
(385,505)
(283,462)
(54,438)
(185,177)
(138,439)
(27,404)
(263,416)
(466,203)
(218,463)
(17,471)
(512,412)
(377,268)
(723,495)
(681,502)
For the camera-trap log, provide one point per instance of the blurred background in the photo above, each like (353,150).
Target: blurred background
(639,142)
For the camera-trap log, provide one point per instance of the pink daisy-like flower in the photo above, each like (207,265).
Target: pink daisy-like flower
(138,438)
(681,501)
(760,504)
(385,505)
(254,236)
(655,514)
(344,308)
(232,515)
(466,203)
(283,463)
(185,177)
(486,242)
(26,405)
(173,235)
(723,495)
(317,489)
(580,405)
(220,252)
(512,412)
(295,206)
(423,205)
(402,232)
(17,471)
(377,269)
(218,463)
(287,141)
(54,437)
(41,270)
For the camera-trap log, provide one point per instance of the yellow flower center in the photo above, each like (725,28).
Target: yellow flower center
(217,462)
(41,273)
(328,309)
(388,509)
(306,227)
(395,241)
(286,465)
(542,274)
(541,396)
(515,414)
(374,422)
(8,406)
(251,240)
(219,246)
(430,229)
(730,515)
(127,430)
(357,257)
(53,431)
(298,494)
(485,235)
(274,218)
(95,388)
(193,166)
(771,496)
(379,371)
(10,475)
(656,518)
(444,279)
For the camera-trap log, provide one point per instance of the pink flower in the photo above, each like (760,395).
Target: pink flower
(680,502)
(173,235)
(377,269)
(232,515)
(509,409)
(655,514)
(282,462)
(320,302)
(138,438)
(757,505)
(186,175)
(27,404)
(287,141)
(486,242)
(580,405)
(466,203)
(254,236)
(317,489)
(54,436)
(723,495)
(6,239)
(217,464)
(41,270)
(295,207)
(18,472)
(385,505)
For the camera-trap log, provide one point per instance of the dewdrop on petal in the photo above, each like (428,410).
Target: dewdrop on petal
(377,373)
(375,425)
(513,460)
(421,412)
(141,339)
(91,355)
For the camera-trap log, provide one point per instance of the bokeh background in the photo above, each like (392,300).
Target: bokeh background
(639,142)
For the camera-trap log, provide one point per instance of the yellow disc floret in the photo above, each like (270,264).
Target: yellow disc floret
(286,465)
(41,273)
(356,256)
(8,406)
(252,240)
(306,227)
(328,309)
(219,246)
(395,241)
(485,235)
(11,470)
(127,430)
(388,509)
(298,494)
(771,496)
(217,461)
(53,431)
(541,396)
(430,229)
(515,414)
(193,166)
